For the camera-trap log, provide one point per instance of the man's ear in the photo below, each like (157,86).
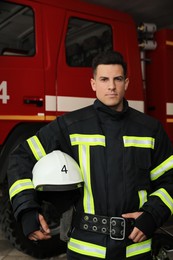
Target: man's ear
(126,83)
(93,84)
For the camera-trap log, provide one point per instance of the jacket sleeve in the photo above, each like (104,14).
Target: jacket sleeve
(23,158)
(160,199)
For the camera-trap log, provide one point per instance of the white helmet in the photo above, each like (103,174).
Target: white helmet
(57,171)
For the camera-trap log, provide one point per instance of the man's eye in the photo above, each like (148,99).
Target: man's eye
(120,79)
(104,79)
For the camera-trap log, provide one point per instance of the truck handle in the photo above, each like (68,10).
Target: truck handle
(33,100)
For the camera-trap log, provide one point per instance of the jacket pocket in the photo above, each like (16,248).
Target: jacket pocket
(143,164)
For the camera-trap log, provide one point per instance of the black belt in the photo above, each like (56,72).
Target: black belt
(116,227)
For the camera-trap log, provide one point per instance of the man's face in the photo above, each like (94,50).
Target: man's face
(110,85)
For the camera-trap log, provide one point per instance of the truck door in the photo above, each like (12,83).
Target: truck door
(21,62)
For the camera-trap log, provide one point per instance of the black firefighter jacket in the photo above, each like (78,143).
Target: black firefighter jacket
(126,161)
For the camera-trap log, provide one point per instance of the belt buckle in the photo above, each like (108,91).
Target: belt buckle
(117,228)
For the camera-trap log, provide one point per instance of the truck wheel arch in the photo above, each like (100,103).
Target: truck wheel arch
(17,135)
(10,227)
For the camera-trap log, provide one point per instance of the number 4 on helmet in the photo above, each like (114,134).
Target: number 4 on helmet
(57,171)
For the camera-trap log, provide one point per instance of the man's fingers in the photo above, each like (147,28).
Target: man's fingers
(43,224)
(137,235)
(43,233)
(132,215)
(32,237)
(39,235)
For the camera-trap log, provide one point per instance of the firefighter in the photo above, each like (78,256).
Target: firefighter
(126,160)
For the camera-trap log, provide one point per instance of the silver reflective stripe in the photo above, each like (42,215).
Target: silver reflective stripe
(138,248)
(162,168)
(142,197)
(84,161)
(136,141)
(85,248)
(165,197)
(95,139)
(36,147)
(84,142)
(20,185)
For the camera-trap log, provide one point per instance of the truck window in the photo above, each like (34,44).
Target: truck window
(17,37)
(84,40)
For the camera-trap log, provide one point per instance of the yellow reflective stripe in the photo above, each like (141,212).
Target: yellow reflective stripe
(142,197)
(138,248)
(77,139)
(162,168)
(165,197)
(84,141)
(85,248)
(84,161)
(36,147)
(19,186)
(136,141)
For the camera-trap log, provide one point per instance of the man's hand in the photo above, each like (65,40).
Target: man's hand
(136,234)
(43,233)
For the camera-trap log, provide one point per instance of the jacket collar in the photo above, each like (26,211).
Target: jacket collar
(108,112)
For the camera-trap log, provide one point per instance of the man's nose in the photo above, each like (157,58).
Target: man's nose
(112,85)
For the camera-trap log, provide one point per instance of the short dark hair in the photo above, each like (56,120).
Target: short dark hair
(112,57)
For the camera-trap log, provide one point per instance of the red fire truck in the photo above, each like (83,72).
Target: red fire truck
(46,49)
(159,92)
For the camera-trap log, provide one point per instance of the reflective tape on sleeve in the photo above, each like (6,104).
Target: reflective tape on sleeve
(137,141)
(85,248)
(138,248)
(162,168)
(36,147)
(142,197)
(20,185)
(165,197)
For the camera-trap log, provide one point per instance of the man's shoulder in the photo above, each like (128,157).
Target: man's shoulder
(81,114)
(143,118)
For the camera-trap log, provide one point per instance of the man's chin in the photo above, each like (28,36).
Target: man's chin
(115,106)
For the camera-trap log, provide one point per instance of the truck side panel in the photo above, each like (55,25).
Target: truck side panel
(22,75)
(159,80)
